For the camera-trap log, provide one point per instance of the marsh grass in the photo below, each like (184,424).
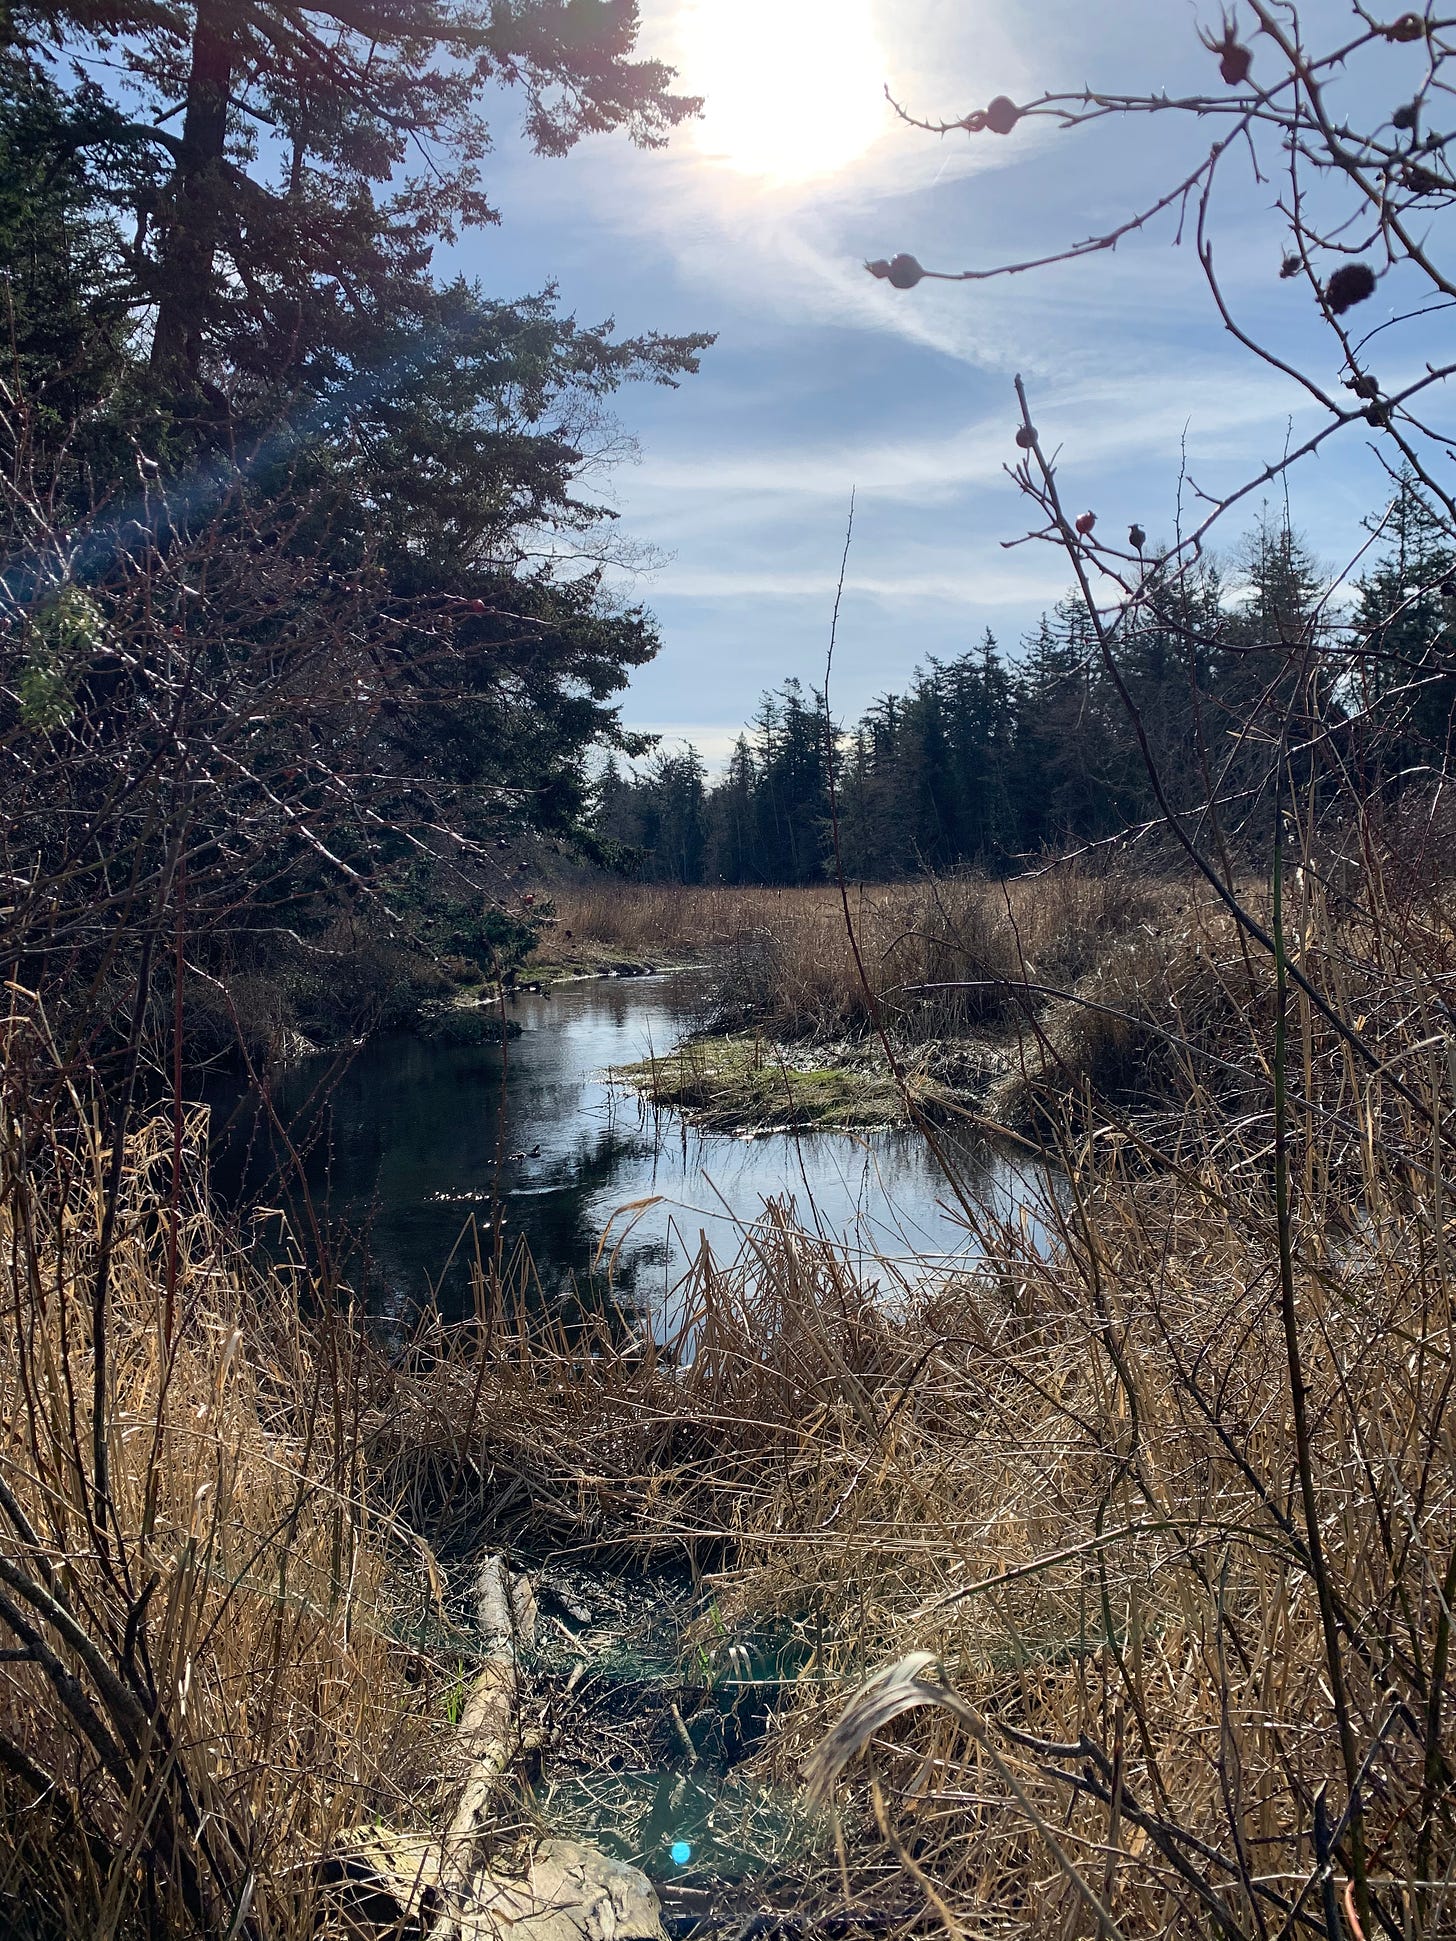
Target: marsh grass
(1066,984)
(1144,1687)
(943,955)
(1067,1478)
(1060,1495)
(208,1677)
(745,1081)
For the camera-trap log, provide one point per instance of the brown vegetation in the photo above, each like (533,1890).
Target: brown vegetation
(1168,1507)
(784,957)
(1171,1509)
(208,1676)
(1018,995)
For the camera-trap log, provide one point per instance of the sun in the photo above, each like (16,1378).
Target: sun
(793,89)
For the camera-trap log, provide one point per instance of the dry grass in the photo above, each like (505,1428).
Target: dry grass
(733,1082)
(201,1690)
(1072,1478)
(1071,1481)
(1075,1480)
(783,955)
(1018,995)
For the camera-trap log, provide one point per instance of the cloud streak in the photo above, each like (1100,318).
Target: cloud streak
(1097,427)
(824,379)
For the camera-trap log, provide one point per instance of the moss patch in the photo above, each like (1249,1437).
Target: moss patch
(557,962)
(731,1084)
(464,1024)
(561,955)
(542,971)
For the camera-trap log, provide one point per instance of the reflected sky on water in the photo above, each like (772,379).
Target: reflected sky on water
(400,1147)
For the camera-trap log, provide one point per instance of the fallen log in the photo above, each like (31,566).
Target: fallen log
(442,1886)
(506,1618)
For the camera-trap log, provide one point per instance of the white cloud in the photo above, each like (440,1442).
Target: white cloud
(712,740)
(1097,425)
(967,587)
(826,379)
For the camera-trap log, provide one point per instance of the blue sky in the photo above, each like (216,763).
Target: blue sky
(756,224)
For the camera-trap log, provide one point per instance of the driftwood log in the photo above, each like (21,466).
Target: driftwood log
(442,1886)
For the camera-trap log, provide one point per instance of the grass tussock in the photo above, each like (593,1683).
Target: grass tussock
(738,1081)
(205,1681)
(941,956)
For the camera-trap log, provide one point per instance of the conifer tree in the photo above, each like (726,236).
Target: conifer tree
(290,168)
(982,764)
(1404,642)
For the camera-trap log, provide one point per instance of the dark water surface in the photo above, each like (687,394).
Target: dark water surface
(400,1150)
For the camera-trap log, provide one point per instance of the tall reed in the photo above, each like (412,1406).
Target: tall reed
(1116,1573)
(207,1676)
(1124,1570)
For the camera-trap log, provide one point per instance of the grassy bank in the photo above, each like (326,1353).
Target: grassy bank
(783,955)
(1006,997)
(1155,1524)
(742,1081)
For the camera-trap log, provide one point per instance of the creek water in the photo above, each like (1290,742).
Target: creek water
(422,1158)
(418,1157)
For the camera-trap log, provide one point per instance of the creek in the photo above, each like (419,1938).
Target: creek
(424,1157)
(418,1158)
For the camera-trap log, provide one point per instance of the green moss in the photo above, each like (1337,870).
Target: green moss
(563,963)
(733,1083)
(588,962)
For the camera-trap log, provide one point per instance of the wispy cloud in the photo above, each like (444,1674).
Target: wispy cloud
(712,740)
(967,588)
(1098,426)
(825,379)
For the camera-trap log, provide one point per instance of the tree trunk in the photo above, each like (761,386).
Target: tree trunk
(185,281)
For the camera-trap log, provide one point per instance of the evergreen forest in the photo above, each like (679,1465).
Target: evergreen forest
(991,759)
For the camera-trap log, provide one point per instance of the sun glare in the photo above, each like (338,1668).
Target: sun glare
(793,88)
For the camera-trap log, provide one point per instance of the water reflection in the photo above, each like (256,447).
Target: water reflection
(399,1152)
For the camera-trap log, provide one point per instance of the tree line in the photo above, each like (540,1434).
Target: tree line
(987,759)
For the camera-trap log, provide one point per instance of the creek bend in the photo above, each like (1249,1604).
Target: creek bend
(400,1145)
